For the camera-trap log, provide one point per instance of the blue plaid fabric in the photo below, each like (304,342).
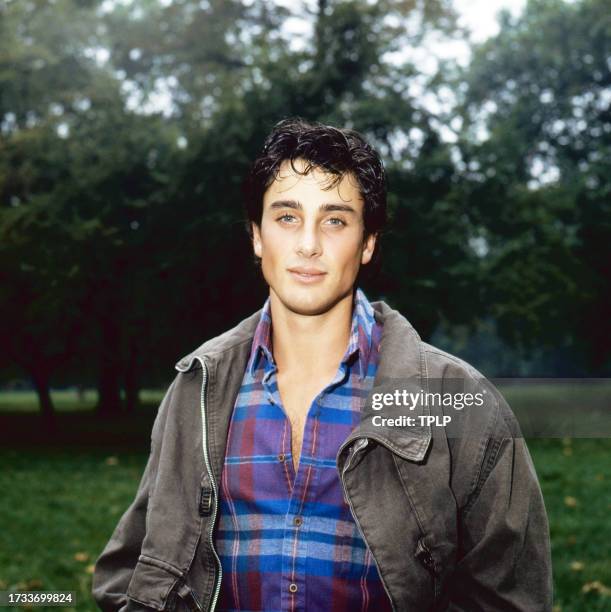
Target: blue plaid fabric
(286,540)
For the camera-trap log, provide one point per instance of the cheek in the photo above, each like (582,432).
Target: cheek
(268,239)
(347,253)
(274,244)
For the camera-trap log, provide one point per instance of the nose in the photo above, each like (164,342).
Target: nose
(308,241)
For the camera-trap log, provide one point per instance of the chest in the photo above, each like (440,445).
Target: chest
(298,511)
(297,397)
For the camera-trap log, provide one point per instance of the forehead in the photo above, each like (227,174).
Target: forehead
(317,185)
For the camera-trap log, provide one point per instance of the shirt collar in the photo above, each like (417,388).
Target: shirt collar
(262,340)
(359,342)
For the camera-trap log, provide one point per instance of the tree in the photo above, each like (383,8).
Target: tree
(79,176)
(44,74)
(539,186)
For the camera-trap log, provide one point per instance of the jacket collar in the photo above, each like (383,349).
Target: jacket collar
(401,363)
(401,366)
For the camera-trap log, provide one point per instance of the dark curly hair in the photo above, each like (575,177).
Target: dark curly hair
(333,150)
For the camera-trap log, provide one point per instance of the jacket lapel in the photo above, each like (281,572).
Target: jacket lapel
(401,369)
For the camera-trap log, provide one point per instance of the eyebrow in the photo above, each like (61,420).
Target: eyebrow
(327,207)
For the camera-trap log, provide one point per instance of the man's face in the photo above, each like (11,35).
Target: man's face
(311,239)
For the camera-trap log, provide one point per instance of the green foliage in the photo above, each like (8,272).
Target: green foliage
(126,129)
(45,67)
(539,181)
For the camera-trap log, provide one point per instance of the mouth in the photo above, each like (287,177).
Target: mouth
(307,275)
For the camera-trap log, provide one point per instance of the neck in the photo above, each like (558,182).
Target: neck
(310,344)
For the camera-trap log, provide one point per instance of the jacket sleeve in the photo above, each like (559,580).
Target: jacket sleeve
(115,566)
(505,560)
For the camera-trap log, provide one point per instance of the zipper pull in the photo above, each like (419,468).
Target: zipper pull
(206,496)
(188,596)
(423,554)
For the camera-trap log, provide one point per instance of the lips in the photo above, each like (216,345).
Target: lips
(307,271)
(306,274)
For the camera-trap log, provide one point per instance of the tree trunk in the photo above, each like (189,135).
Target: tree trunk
(132,380)
(109,392)
(41,381)
(320,33)
(109,381)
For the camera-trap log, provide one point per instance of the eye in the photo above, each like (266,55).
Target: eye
(286,218)
(336,221)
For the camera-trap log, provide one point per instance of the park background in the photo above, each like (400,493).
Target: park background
(126,127)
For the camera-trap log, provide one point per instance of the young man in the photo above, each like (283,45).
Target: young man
(273,481)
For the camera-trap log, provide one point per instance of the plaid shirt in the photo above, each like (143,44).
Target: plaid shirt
(286,540)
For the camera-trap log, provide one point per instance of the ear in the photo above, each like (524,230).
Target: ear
(368,248)
(256,239)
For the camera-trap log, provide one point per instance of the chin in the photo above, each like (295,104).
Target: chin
(307,308)
(309,301)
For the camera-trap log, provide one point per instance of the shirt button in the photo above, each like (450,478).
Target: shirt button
(297,521)
(293,587)
(281,457)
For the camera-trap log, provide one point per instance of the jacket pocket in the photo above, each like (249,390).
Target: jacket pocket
(152,582)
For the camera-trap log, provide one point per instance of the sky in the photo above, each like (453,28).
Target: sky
(480,15)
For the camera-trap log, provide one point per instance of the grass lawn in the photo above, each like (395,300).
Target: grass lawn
(575,477)
(64,400)
(58,510)
(59,507)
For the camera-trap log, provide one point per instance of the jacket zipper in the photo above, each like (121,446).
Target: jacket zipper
(358,446)
(217,587)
